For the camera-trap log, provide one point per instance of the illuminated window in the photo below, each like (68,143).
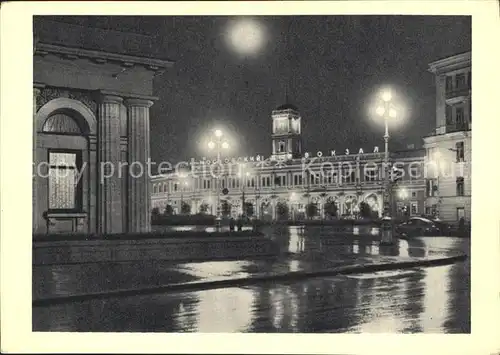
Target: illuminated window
(431,187)
(64,188)
(370,174)
(297,180)
(280,180)
(265,181)
(348,175)
(206,184)
(281,126)
(414,208)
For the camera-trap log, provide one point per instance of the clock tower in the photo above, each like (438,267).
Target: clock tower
(286,139)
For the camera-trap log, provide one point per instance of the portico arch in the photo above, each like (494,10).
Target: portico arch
(66,104)
(63,152)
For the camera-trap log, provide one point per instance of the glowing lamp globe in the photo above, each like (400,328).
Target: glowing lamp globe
(380,111)
(386,96)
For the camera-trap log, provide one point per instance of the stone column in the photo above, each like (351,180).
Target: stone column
(36,92)
(109,209)
(138,218)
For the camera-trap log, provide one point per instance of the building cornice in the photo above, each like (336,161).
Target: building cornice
(447,136)
(126,95)
(450,63)
(102,57)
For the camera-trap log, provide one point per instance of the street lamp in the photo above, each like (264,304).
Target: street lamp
(387,112)
(218,144)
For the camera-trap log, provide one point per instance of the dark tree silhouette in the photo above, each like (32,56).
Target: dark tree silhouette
(169,210)
(185,208)
(282,210)
(331,209)
(311,210)
(204,208)
(249,211)
(365,210)
(225,208)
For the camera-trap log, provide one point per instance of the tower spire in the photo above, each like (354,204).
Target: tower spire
(288,71)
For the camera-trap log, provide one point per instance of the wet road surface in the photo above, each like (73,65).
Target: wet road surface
(430,300)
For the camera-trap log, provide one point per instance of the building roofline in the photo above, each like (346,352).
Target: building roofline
(102,56)
(444,63)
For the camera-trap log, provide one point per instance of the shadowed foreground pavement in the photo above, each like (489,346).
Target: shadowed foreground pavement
(434,299)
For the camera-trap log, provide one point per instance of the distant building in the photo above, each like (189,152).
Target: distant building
(289,180)
(448,148)
(91,99)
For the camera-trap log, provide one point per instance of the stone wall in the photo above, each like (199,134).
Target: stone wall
(88,251)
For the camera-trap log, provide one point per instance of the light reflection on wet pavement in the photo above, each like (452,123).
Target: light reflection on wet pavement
(434,299)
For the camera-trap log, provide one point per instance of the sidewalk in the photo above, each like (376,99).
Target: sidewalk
(70,283)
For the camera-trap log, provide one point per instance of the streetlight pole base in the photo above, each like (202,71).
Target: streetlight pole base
(218,224)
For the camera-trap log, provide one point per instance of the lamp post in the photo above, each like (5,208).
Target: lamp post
(218,144)
(387,112)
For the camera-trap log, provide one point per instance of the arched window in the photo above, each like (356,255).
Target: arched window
(61,123)
(65,185)
(160,188)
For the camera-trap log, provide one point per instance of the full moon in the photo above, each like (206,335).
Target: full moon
(246,36)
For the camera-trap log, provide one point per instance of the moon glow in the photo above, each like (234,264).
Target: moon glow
(246,36)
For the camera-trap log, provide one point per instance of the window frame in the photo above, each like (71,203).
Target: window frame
(461,116)
(462,84)
(78,187)
(460,186)
(449,83)
(460,150)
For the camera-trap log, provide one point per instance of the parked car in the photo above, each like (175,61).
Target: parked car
(418,226)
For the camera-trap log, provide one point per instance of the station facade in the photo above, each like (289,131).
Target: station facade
(291,178)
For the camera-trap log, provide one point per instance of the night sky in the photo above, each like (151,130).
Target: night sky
(332,65)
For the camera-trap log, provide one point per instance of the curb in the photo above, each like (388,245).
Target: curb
(246,281)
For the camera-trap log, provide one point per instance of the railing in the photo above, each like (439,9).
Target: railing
(450,128)
(457,93)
